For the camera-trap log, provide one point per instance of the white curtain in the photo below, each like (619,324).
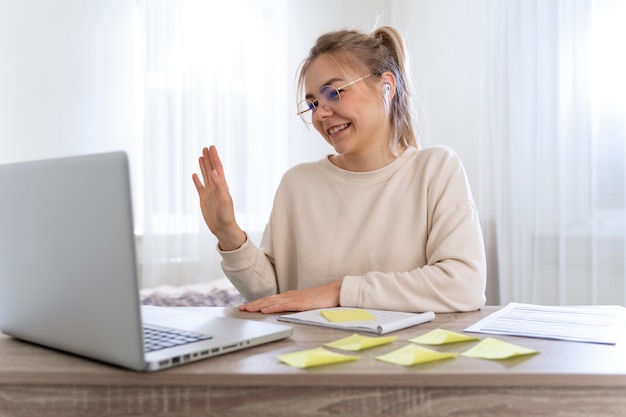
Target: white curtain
(554,129)
(212,74)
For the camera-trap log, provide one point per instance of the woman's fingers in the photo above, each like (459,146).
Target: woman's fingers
(214,161)
(203,167)
(210,167)
(199,185)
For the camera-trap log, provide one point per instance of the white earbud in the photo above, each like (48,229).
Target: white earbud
(387,90)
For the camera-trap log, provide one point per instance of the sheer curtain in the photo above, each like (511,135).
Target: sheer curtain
(554,131)
(211,75)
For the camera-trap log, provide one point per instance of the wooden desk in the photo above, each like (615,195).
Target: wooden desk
(566,378)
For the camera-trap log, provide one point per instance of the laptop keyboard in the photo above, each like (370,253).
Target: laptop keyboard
(157,338)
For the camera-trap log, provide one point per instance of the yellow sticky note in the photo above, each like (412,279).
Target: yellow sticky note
(491,348)
(441,337)
(358,342)
(413,355)
(347,315)
(314,357)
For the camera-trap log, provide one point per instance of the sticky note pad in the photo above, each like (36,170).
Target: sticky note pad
(412,355)
(347,315)
(314,357)
(357,342)
(441,337)
(491,348)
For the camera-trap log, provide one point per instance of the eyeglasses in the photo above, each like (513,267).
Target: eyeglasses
(307,108)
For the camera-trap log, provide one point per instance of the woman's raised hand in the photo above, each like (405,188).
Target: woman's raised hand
(216,202)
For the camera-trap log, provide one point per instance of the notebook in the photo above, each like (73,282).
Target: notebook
(68,270)
(359,320)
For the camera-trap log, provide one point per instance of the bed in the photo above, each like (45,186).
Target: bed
(219,293)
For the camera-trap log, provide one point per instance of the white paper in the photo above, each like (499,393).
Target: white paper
(594,324)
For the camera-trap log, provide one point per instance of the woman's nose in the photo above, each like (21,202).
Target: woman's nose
(323,111)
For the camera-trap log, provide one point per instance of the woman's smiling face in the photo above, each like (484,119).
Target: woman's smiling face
(358,122)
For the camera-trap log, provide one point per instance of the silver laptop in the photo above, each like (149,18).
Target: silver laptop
(68,274)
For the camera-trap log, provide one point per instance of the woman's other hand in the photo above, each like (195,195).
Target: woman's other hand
(324,296)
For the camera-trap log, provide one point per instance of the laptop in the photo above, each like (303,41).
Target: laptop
(68,271)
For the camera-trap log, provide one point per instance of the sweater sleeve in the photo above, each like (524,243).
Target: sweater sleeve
(250,270)
(454,276)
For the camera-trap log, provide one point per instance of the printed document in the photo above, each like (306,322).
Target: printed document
(593,324)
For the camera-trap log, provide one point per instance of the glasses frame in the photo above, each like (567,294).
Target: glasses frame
(316,102)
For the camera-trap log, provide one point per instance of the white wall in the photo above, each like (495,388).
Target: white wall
(66,77)
(444,40)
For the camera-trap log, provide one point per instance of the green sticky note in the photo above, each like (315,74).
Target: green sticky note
(412,355)
(314,357)
(344,315)
(491,348)
(357,342)
(441,337)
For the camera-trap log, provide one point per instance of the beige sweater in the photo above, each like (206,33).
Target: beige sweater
(405,237)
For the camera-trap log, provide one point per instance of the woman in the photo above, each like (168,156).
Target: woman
(380,224)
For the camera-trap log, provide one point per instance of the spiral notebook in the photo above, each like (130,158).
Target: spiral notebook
(366,320)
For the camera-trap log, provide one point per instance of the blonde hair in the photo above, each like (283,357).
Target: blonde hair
(376,53)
